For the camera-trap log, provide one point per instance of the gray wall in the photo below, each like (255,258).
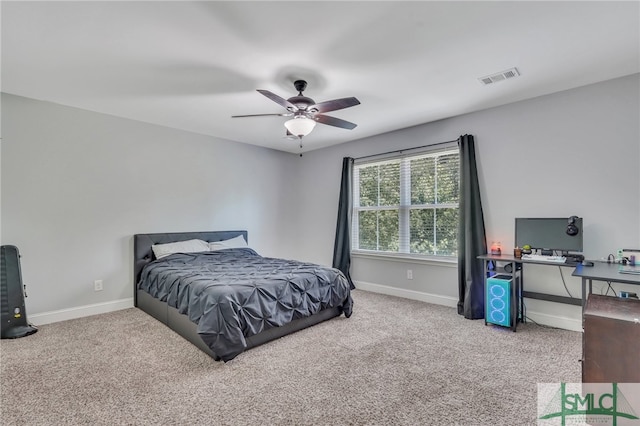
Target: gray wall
(76,185)
(573,152)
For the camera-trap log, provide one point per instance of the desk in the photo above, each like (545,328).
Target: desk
(602,271)
(516,271)
(611,338)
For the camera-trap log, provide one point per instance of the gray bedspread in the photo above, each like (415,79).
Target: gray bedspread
(236,293)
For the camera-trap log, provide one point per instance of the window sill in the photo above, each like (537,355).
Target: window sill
(448,262)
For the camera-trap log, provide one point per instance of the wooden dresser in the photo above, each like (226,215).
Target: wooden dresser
(611,340)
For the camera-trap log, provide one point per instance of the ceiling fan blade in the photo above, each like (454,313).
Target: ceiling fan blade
(287,114)
(334,105)
(280,101)
(332,121)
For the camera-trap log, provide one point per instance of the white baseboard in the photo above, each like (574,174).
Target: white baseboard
(436,299)
(555,321)
(452,302)
(540,318)
(80,311)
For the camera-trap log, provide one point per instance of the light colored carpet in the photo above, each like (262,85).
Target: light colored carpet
(394,362)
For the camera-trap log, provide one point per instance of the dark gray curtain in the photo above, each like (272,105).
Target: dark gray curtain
(342,246)
(471,235)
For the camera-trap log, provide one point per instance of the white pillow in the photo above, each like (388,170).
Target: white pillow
(237,242)
(189,246)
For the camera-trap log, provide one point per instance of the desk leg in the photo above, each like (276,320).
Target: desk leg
(514,304)
(584,297)
(522,316)
(486,276)
(515,297)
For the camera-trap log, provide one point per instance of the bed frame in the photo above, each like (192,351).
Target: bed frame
(168,315)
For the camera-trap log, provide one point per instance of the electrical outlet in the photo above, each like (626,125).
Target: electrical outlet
(409,274)
(97,285)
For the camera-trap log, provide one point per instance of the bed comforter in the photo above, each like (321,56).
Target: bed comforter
(232,294)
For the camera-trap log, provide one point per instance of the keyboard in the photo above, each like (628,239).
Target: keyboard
(541,258)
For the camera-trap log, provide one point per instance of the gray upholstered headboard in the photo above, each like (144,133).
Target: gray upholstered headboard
(143,254)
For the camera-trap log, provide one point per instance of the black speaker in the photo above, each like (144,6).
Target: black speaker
(14,316)
(572,229)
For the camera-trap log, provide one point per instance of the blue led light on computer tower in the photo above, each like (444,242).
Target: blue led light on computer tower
(497,309)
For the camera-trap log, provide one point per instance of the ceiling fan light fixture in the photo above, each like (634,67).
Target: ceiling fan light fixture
(300,126)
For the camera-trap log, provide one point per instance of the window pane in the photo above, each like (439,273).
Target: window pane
(390,184)
(423,177)
(388,226)
(367,232)
(379,230)
(368,186)
(380,185)
(448,178)
(421,231)
(447,232)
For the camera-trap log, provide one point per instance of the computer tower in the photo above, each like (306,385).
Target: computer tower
(14,316)
(498,307)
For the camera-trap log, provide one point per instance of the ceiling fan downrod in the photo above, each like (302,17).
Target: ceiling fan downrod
(300,86)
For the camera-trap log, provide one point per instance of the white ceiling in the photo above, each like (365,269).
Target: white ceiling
(192,65)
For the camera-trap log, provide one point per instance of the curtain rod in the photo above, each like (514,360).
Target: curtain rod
(406,149)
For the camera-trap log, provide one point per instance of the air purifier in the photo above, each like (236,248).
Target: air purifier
(14,316)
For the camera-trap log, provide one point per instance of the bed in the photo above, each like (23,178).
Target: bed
(227,299)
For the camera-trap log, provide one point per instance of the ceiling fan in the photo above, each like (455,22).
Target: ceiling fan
(306,112)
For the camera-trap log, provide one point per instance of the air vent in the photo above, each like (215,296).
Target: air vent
(504,75)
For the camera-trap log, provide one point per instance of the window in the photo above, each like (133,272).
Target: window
(407,205)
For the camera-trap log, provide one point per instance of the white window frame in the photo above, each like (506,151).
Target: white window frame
(404,207)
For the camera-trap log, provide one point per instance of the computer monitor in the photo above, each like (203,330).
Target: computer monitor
(549,233)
